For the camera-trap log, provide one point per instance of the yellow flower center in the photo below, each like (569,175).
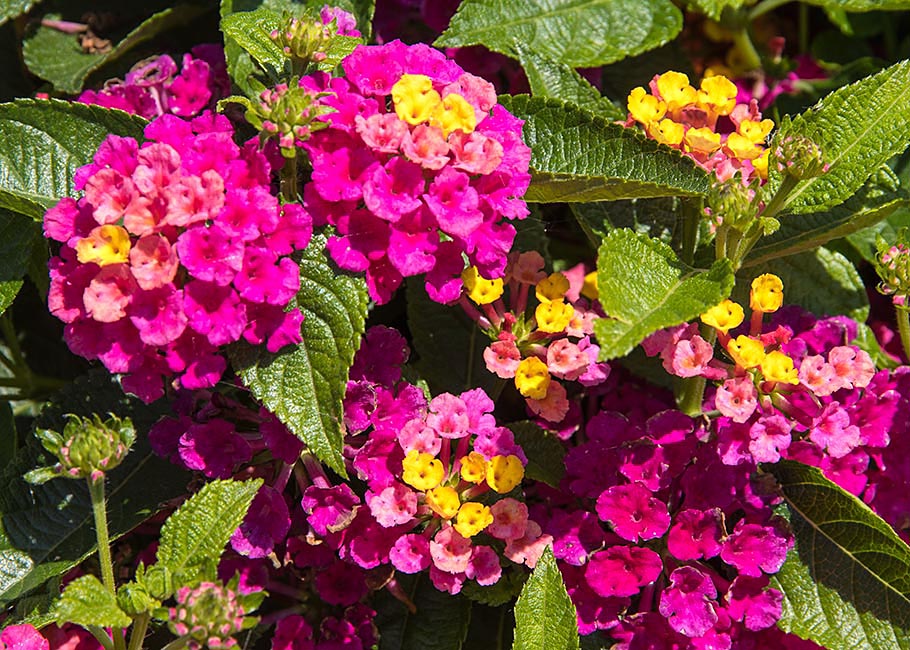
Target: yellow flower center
(767,293)
(443,501)
(414,98)
(104,245)
(474,468)
(552,288)
(777,366)
(553,317)
(481,290)
(421,470)
(746,352)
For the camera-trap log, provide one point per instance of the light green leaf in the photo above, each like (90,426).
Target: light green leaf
(876,200)
(439,622)
(44,142)
(804,274)
(57,57)
(579,33)
(858,127)
(579,156)
(545,452)
(304,385)
(857,6)
(17,236)
(714,8)
(846,585)
(48,529)
(198,531)
(86,602)
(14,8)
(549,78)
(250,30)
(544,614)
(643,287)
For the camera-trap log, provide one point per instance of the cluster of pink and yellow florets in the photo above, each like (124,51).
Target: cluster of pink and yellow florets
(706,124)
(536,349)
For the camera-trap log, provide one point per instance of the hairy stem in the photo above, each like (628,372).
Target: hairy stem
(903,326)
(96,490)
(289,180)
(140,626)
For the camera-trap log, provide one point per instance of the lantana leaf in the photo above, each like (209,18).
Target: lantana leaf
(13,8)
(544,451)
(579,33)
(846,584)
(250,31)
(579,156)
(86,601)
(714,8)
(643,287)
(544,614)
(304,385)
(17,236)
(438,622)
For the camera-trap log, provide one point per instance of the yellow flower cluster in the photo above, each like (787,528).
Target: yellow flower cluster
(416,102)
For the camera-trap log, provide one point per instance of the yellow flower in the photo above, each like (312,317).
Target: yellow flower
(756,132)
(472,518)
(674,89)
(761,164)
(552,288)
(667,132)
(414,98)
(443,501)
(742,147)
(454,113)
(421,470)
(724,317)
(777,366)
(702,140)
(645,108)
(481,290)
(104,245)
(474,468)
(532,379)
(553,317)
(746,352)
(504,473)
(589,289)
(767,293)
(718,95)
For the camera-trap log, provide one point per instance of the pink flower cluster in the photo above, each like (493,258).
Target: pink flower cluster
(647,478)
(417,168)
(22,637)
(425,466)
(154,87)
(175,249)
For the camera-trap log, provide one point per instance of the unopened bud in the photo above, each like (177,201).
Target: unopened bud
(288,114)
(134,599)
(304,39)
(892,263)
(799,157)
(734,203)
(158,581)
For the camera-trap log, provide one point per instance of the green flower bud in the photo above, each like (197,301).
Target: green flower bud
(87,448)
(134,599)
(158,581)
(304,39)
(209,614)
(892,263)
(799,157)
(733,203)
(287,113)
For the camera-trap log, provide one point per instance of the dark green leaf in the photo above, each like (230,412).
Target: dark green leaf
(196,534)
(866,340)
(48,529)
(579,156)
(658,218)
(861,5)
(17,236)
(57,57)
(864,240)
(504,591)
(44,142)
(643,287)
(858,127)
(449,345)
(544,614)
(875,201)
(545,452)
(549,78)
(13,8)
(846,585)
(9,437)
(579,33)
(86,602)
(438,622)
(304,385)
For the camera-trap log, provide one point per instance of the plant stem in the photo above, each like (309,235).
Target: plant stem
(764,7)
(469,374)
(176,644)
(101,636)
(692,211)
(787,184)
(96,489)
(743,43)
(137,636)
(692,389)
(903,326)
(289,180)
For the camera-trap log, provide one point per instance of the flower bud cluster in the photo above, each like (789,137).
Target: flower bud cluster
(210,614)
(308,39)
(287,114)
(87,448)
(892,263)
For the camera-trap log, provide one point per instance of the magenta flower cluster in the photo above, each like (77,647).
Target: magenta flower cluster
(410,197)
(154,87)
(176,248)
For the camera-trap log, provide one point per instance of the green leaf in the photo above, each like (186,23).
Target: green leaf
(846,585)
(545,452)
(858,127)
(544,613)
(48,529)
(304,385)
(17,236)
(643,287)
(437,622)
(860,5)
(658,218)
(549,78)
(250,30)
(504,591)
(197,532)
(803,275)
(579,33)
(714,8)
(57,57)
(9,437)
(864,240)
(449,345)
(875,201)
(579,156)
(14,8)
(86,602)
(44,142)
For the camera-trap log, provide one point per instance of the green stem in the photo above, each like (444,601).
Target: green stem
(692,211)
(176,644)
(691,395)
(12,341)
(750,55)
(96,490)
(469,375)
(903,326)
(289,180)
(787,185)
(137,636)
(101,636)
(803,27)
(764,7)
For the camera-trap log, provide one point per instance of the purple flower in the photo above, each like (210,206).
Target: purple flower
(749,600)
(329,509)
(633,512)
(622,570)
(266,524)
(754,549)
(688,603)
(695,534)
(213,448)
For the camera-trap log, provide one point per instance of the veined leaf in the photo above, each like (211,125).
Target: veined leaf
(550,78)
(714,8)
(579,156)
(579,33)
(544,613)
(438,622)
(13,8)
(643,287)
(858,127)
(545,452)
(250,30)
(17,236)
(875,201)
(659,218)
(56,56)
(304,385)
(861,5)
(846,585)
(44,142)
(86,601)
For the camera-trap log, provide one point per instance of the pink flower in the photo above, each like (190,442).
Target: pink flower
(510,519)
(554,406)
(566,360)
(688,603)
(502,358)
(633,512)
(393,506)
(622,570)
(737,398)
(410,554)
(22,637)
(450,551)
(528,548)
(484,566)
